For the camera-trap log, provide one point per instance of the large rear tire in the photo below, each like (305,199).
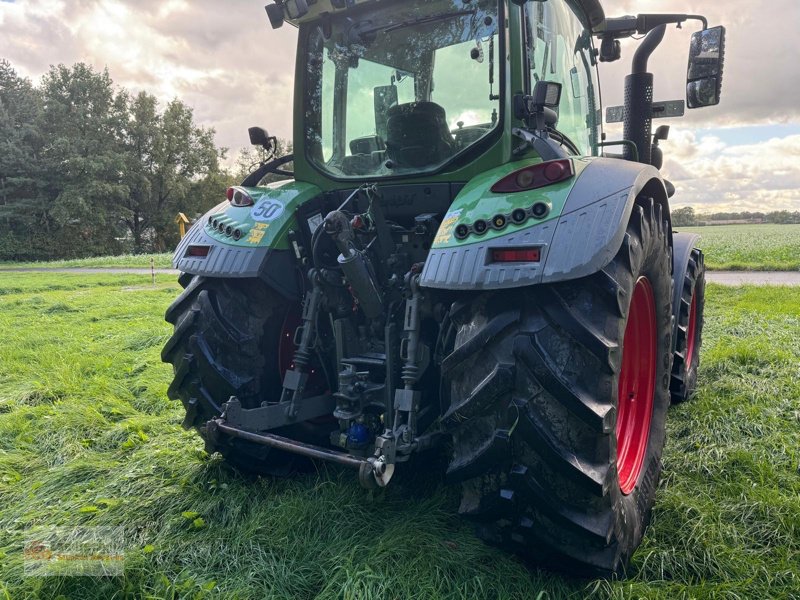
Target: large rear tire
(559,395)
(689,330)
(227,342)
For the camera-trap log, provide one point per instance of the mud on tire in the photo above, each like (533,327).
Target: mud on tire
(534,382)
(225,343)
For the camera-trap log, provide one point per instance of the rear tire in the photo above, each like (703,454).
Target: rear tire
(535,384)
(226,343)
(689,330)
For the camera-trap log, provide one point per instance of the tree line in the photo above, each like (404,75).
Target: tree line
(686,217)
(87,168)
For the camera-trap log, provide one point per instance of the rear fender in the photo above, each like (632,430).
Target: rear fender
(583,238)
(262,248)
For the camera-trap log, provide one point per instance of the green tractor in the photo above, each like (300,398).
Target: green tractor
(456,262)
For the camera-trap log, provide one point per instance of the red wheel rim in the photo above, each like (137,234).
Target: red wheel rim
(690,331)
(637,380)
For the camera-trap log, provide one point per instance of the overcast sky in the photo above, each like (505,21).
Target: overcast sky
(222,58)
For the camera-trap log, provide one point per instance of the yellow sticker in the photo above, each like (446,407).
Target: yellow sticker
(257,233)
(446,229)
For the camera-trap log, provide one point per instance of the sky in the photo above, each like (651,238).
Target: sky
(222,58)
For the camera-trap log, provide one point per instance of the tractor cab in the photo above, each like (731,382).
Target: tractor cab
(389,90)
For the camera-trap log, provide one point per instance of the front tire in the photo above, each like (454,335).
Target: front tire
(556,461)
(689,330)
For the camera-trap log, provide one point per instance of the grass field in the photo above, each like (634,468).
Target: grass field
(729,247)
(160,261)
(750,247)
(88,438)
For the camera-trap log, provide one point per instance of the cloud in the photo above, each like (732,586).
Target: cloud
(710,174)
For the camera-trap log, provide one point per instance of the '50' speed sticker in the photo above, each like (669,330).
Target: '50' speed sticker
(266,210)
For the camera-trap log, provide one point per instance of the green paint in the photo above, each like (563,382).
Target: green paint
(476,201)
(287,196)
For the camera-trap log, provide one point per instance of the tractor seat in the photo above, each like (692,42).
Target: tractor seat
(418,135)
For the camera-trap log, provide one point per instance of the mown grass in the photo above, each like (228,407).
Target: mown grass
(88,438)
(160,261)
(750,247)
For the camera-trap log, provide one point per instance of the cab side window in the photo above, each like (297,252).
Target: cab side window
(560,49)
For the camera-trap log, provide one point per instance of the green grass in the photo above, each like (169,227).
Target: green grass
(88,438)
(161,261)
(750,247)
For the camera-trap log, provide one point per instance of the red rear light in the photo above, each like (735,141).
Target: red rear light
(535,176)
(238,196)
(507,255)
(198,251)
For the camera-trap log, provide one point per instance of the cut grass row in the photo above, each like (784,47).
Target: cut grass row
(88,438)
(727,248)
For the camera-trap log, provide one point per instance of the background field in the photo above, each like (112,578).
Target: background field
(87,437)
(750,247)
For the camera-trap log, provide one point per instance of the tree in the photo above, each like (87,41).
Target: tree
(683,217)
(166,155)
(87,168)
(20,144)
(81,163)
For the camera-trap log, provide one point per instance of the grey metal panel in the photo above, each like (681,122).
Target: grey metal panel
(587,239)
(466,267)
(222,260)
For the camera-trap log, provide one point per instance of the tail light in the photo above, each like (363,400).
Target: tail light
(197,251)
(238,196)
(535,176)
(514,255)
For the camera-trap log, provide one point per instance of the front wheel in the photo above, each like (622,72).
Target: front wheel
(559,396)
(689,328)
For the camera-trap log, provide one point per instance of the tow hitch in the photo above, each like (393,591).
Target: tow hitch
(374,471)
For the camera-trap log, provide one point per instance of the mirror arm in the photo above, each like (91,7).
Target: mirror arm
(270,167)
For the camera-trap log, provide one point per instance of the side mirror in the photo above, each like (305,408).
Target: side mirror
(540,109)
(275,14)
(260,137)
(704,75)
(384,97)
